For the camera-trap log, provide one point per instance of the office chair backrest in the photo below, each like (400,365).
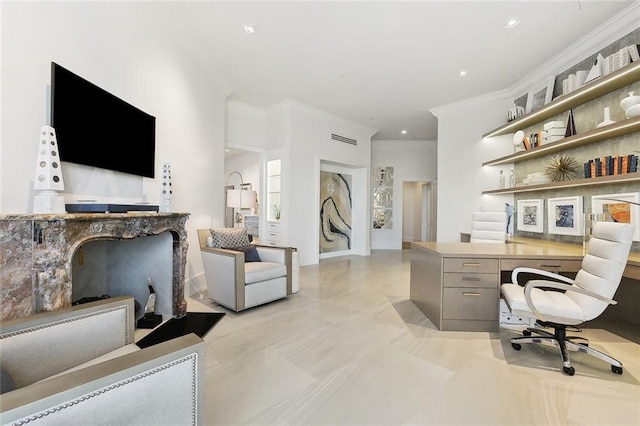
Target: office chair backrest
(489,227)
(603,265)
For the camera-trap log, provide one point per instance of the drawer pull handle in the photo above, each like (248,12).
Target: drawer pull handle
(471,279)
(550,266)
(471,294)
(471,264)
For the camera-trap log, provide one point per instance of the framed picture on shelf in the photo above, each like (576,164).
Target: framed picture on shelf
(541,94)
(521,101)
(623,208)
(530,216)
(564,216)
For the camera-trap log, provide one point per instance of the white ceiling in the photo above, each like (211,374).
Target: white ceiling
(383,64)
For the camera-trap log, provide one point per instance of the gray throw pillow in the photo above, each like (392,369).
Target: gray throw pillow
(229,237)
(250,253)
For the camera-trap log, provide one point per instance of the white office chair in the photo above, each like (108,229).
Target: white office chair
(488,227)
(579,300)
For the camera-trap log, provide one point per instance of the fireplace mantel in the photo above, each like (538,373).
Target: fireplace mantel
(36,251)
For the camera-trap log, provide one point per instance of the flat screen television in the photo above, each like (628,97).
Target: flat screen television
(95,128)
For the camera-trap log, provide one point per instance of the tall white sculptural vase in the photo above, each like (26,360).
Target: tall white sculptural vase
(166,197)
(48,178)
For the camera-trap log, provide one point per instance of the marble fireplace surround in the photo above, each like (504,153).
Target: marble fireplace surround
(36,253)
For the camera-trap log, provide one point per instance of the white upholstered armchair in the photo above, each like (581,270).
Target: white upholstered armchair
(564,303)
(247,275)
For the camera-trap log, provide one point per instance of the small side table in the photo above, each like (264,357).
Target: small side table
(199,323)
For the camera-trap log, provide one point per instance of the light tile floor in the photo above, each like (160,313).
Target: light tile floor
(350,348)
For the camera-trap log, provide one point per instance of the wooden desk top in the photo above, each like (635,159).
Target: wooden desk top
(525,248)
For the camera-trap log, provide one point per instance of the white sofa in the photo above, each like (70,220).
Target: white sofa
(81,366)
(240,285)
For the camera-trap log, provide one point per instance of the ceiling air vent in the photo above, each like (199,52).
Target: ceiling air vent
(343,139)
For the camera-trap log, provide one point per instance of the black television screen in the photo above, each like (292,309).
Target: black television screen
(95,128)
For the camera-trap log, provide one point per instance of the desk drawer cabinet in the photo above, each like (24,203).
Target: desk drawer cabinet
(470,294)
(551,265)
(482,266)
(470,304)
(457,279)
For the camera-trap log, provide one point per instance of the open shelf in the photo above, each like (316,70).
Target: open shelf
(592,90)
(617,129)
(602,180)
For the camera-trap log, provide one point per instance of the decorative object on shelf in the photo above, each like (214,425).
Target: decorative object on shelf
(535,179)
(509,210)
(530,215)
(241,198)
(633,111)
(562,167)
(512,178)
(48,178)
(553,131)
(630,100)
(607,118)
(596,69)
(501,180)
(516,111)
(167,190)
(571,125)
(623,208)
(541,94)
(276,212)
(518,139)
(565,216)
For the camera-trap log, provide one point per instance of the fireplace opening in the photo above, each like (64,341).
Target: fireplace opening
(126,267)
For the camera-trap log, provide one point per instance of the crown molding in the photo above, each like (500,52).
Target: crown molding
(501,97)
(402,144)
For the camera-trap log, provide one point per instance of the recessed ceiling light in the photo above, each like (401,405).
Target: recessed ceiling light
(251,29)
(404,132)
(463,73)
(512,23)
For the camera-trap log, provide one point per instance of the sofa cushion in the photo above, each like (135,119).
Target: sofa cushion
(250,253)
(229,237)
(124,350)
(260,271)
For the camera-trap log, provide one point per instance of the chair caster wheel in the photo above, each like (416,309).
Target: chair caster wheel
(516,346)
(570,371)
(616,369)
(526,333)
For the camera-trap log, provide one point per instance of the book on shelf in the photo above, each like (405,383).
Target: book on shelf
(623,58)
(611,165)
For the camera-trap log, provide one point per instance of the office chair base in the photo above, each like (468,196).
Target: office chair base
(565,343)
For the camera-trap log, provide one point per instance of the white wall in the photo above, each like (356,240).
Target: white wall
(461,152)
(123,49)
(310,145)
(412,161)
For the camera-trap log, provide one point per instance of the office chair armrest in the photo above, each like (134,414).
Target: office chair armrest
(559,286)
(541,272)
